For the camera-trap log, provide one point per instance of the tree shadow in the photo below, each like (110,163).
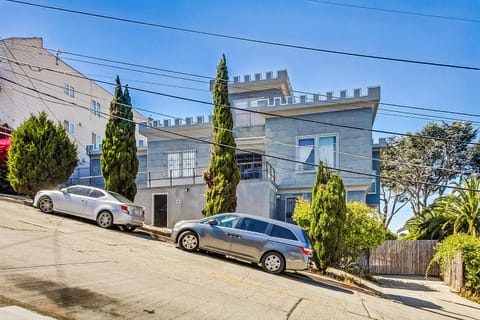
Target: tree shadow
(403,285)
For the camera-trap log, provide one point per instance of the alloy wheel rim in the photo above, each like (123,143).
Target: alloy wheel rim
(272,263)
(189,242)
(46,205)
(104,219)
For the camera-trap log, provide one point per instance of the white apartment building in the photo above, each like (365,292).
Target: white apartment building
(32,79)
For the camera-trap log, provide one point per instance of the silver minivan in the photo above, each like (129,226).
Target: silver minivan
(276,245)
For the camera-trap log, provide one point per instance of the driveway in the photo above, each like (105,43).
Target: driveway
(430,295)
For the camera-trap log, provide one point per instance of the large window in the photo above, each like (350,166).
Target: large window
(96,108)
(313,149)
(243,117)
(181,163)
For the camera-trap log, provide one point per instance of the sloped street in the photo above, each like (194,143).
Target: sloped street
(69,268)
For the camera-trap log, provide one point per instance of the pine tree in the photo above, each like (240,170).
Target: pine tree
(119,161)
(40,156)
(223,174)
(328,217)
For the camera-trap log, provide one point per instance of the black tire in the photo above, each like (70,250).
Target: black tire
(45,204)
(105,219)
(188,241)
(273,262)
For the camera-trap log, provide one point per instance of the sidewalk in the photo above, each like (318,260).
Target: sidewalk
(18,313)
(431,295)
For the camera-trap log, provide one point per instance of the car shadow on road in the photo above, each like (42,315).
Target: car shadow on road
(287,275)
(137,233)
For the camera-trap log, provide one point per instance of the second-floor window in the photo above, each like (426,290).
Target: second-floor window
(96,108)
(181,163)
(69,90)
(96,141)
(313,149)
(69,127)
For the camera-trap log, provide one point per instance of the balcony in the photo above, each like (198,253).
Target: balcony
(179,177)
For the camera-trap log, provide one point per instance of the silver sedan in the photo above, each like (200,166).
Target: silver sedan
(276,245)
(105,207)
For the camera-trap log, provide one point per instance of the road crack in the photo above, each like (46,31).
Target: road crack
(290,312)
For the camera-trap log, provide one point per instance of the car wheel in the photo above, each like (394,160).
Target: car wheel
(105,219)
(188,241)
(128,228)
(273,262)
(45,204)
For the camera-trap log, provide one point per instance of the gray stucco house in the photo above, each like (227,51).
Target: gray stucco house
(282,127)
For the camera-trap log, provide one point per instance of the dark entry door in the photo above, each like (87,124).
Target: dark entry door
(160,210)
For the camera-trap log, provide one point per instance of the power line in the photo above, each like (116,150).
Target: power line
(231,84)
(264,113)
(252,40)
(270,140)
(405,114)
(240,149)
(428,15)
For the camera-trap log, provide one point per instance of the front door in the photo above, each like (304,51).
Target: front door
(160,210)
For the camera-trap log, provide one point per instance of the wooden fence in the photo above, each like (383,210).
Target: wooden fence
(454,273)
(402,257)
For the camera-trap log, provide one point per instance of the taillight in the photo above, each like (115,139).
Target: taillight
(307,251)
(124,208)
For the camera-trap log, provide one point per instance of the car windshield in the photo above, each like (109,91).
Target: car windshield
(119,197)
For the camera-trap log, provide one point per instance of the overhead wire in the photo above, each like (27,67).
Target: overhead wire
(241,149)
(259,112)
(236,85)
(403,12)
(264,138)
(251,40)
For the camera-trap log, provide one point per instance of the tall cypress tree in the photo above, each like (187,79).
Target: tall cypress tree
(119,161)
(223,174)
(329,212)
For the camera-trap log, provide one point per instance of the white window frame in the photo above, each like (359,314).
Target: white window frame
(96,141)
(181,164)
(69,90)
(69,127)
(96,108)
(316,150)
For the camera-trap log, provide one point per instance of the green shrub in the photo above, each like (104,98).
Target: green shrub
(469,247)
(302,214)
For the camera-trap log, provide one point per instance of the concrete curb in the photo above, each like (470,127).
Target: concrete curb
(16,199)
(162,234)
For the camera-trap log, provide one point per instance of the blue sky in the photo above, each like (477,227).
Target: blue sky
(299,22)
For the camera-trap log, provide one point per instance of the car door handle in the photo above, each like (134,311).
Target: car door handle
(234,235)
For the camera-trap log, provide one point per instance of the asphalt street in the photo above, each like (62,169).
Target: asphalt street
(69,268)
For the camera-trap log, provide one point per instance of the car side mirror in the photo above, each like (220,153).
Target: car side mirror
(212,222)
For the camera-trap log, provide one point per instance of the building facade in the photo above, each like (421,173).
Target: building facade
(32,79)
(280,139)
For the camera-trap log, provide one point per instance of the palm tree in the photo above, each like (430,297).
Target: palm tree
(462,207)
(430,224)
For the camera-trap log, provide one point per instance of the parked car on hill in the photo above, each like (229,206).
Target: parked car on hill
(276,245)
(107,208)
